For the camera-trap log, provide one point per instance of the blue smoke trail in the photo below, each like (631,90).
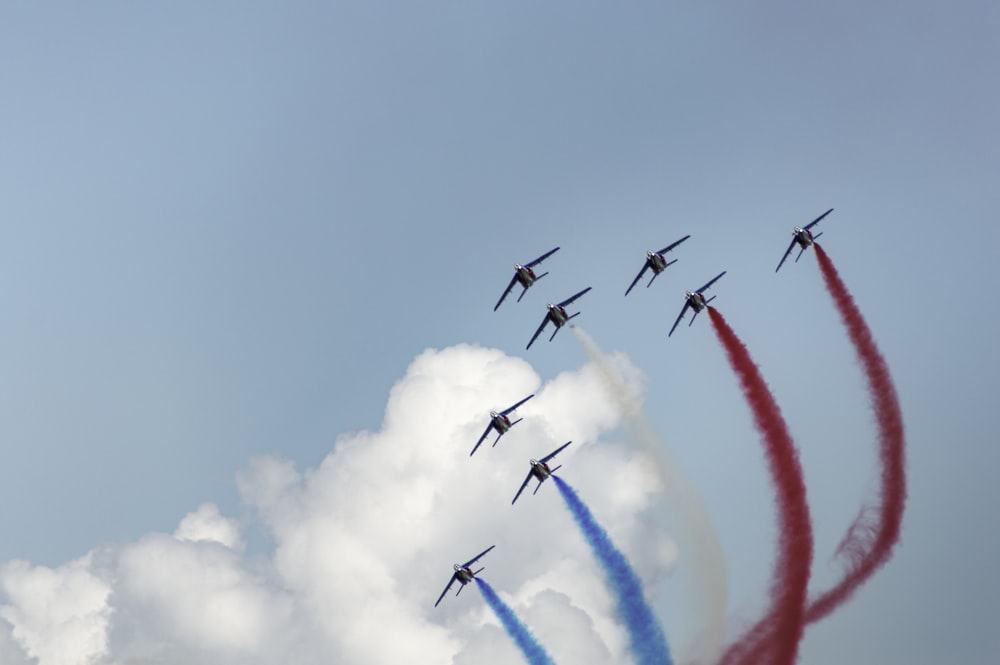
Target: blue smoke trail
(526,642)
(646,638)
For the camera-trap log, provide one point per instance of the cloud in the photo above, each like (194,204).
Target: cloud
(364,542)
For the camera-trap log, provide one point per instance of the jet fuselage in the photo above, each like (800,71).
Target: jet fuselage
(656,262)
(500,422)
(525,275)
(558,315)
(803,236)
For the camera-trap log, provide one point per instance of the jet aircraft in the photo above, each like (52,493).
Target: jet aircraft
(804,237)
(540,469)
(500,422)
(525,275)
(696,301)
(656,262)
(464,574)
(557,315)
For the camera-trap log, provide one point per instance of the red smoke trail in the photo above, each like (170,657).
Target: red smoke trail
(869,541)
(783,624)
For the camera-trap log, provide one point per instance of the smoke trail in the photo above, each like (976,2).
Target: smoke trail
(646,639)
(526,642)
(783,625)
(700,545)
(869,541)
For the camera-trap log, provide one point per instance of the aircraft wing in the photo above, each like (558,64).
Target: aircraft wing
(477,557)
(572,298)
(787,252)
(506,291)
(638,277)
(539,331)
(542,258)
(454,576)
(670,247)
(679,317)
(554,452)
(512,408)
(527,479)
(816,221)
(714,280)
(482,438)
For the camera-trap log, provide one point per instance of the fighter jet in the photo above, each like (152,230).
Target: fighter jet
(656,262)
(557,315)
(540,469)
(696,301)
(804,237)
(526,276)
(464,574)
(501,423)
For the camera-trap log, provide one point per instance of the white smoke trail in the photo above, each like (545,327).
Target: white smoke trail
(701,549)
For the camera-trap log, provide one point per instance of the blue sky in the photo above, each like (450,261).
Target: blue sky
(228,230)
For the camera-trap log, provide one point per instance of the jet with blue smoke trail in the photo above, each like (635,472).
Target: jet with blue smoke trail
(464,574)
(646,639)
(541,470)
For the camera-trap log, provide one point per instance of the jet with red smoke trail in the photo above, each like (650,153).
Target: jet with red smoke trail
(464,573)
(657,262)
(803,237)
(696,301)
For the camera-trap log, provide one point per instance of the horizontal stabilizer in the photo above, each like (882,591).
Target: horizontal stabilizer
(816,237)
(478,571)
(523,291)
(711,299)
(670,263)
(800,254)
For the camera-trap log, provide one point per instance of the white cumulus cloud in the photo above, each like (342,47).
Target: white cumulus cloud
(364,542)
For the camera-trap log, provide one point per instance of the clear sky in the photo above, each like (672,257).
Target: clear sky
(229,229)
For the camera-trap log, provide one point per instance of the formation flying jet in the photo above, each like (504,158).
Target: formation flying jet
(540,469)
(656,262)
(464,574)
(804,237)
(500,422)
(525,275)
(557,315)
(696,301)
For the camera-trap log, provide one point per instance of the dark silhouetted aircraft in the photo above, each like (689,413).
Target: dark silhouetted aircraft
(557,315)
(804,237)
(656,262)
(500,422)
(696,301)
(464,574)
(526,276)
(540,469)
